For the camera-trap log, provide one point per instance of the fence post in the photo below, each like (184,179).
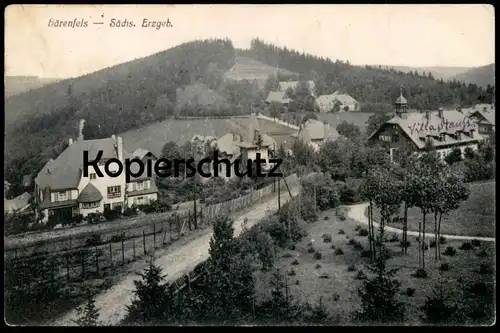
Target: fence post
(144,241)
(123,252)
(154,236)
(97,261)
(110,255)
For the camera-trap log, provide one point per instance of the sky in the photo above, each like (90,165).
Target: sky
(398,35)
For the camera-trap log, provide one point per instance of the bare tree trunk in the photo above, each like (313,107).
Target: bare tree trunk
(423,243)
(419,242)
(370,235)
(436,240)
(439,236)
(405,230)
(373,234)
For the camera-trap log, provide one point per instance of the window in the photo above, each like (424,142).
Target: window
(89,205)
(92,176)
(114,192)
(62,196)
(140,200)
(385,138)
(140,186)
(395,138)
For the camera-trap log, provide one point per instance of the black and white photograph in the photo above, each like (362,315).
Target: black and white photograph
(249,165)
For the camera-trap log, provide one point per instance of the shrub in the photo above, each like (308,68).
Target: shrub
(342,217)
(358,246)
(444,266)
(341,232)
(360,275)
(333,246)
(410,291)
(363,232)
(318,266)
(407,243)
(297,282)
(310,244)
(327,238)
(287,255)
(311,249)
(394,238)
(292,273)
(324,276)
(339,251)
(295,262)
(421,273)
(485,269)
(326,218)
(483,253)
(365,253)
(358,227)
(432,244)
(292,247)
(317,255)
(442,240)
(93,240)
(351,268)
(352,241)
(466,246)
(336,297)
(450,251)
(117,238)
(476,242)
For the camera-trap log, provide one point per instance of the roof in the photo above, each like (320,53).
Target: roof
(227,144)
(90,194)
(328,101)
(316,130)
(418,128)
(489,116)
(278,97)
(65,171)
(140,153)
(284,85)
(18,203)
(401,100)
(344,98)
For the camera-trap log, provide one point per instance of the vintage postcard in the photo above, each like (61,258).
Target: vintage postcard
(249,165)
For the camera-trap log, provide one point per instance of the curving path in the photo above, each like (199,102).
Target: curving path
(357,212)
(177,262)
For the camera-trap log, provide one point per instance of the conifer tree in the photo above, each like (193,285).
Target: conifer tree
(88,314)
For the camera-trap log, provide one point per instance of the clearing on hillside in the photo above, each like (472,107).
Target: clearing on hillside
(251,69)
(199,94)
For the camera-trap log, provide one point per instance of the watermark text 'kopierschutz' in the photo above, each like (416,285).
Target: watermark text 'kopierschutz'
(163,167)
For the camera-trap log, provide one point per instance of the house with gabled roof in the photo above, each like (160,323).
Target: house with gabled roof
(326,103)
(279,97)
(485,120)
(444,129)
(62,190)
(315,133)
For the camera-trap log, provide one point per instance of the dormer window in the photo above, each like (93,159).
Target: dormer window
(442,137)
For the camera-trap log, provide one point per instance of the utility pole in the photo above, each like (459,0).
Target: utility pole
(279,196)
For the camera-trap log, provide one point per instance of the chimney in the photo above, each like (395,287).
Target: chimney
(440,113)
(119,143)
(427,115)
(70,141)
(113,137)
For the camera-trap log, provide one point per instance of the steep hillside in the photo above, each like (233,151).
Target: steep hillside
(369,84)
(199,94)
(481,76)
(246,68)
(112,100)
(15,85)
(438,72)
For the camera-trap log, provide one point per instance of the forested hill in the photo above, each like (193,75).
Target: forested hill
(482,76)
(113,100)
(370,84)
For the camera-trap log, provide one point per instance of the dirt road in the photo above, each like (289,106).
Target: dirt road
(357,212)
(175,263)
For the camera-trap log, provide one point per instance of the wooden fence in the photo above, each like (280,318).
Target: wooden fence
(97,255)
